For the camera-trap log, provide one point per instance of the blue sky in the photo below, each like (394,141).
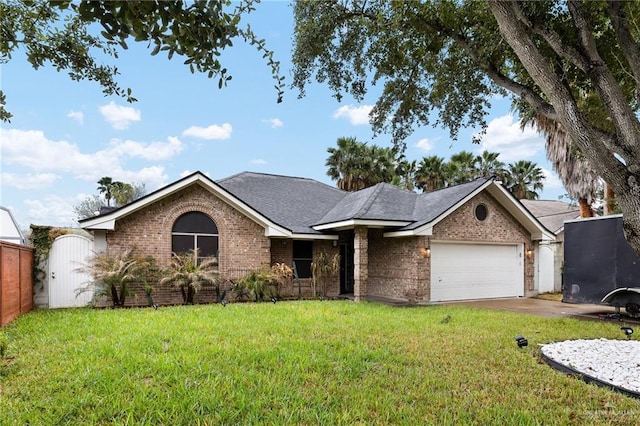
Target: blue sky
(66,135)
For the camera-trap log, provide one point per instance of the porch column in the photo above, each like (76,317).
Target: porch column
(360,263)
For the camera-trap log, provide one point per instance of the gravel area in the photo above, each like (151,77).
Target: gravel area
(613,362)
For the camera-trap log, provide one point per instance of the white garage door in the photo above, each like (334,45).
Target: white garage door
(476,271)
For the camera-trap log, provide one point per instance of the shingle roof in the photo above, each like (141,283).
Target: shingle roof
(431,205)
(386,202)
(552,214)
(292,202)
(379,202)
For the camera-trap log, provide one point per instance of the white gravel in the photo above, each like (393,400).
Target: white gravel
(615,362)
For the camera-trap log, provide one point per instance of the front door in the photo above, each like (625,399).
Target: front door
(346,262)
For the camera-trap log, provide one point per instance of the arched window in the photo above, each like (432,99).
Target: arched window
(195,230)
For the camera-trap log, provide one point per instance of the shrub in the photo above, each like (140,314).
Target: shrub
(189,273)
(111,275)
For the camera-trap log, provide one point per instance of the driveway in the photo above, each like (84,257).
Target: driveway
(547,308)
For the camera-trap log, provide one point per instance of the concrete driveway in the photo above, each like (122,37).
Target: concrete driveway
(547,308)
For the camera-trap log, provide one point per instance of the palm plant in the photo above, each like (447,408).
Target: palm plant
(106,186)
(430,174)
(487,165)
(577,176)
(263,283)
(322,268)
(111,275)
(189,273)
(404,176)
(524,179)
(466,167)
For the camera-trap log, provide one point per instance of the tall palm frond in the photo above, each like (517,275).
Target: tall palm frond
(579,179)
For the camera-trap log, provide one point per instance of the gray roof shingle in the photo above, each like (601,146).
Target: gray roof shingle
(551,213)
(291,202)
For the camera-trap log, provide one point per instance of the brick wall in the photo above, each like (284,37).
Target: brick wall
(16,281)
(398,270)
(498,227)
(242,243)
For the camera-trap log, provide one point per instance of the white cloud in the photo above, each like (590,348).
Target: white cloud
(505,136)
(356,115)
(51,210)
(425,144)
(153,177)
(31,150)
(120,117)
(551,179)
(29,181)
(153,151)
(78,116)
(258,161)
(274,123)
(212,132)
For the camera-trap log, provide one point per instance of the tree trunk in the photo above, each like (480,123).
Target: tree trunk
(609,200)
(595,144)
(585,208)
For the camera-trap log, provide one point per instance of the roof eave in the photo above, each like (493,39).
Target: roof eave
(351,223)
(107,222)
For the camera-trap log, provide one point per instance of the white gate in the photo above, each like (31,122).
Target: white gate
(68,253)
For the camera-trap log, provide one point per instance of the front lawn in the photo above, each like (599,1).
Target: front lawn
(309,363)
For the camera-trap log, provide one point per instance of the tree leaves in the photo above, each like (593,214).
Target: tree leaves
(61,33)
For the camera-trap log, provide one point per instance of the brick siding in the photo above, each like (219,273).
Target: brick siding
(398,270)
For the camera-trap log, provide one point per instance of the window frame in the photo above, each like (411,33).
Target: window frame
(196,234)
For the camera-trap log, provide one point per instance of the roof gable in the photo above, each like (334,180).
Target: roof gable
(107,221)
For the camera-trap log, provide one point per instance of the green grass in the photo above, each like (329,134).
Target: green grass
(306,363)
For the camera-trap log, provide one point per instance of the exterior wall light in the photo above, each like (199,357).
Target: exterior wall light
(425,252)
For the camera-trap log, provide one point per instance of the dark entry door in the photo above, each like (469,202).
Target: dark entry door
(346,263)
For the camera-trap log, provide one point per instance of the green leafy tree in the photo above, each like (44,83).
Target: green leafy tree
(524,179)
(68,35)
(121,194)
(574,62)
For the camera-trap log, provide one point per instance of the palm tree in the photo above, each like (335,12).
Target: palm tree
(189,273)
(465,163)
(524,179)
(579,179)
(346,164)
(107,186)
(487,165)
(430,174)
(405,174)
(355,165)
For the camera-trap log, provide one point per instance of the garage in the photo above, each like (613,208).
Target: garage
(476,271)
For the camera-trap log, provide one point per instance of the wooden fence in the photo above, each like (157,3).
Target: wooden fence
(16,281)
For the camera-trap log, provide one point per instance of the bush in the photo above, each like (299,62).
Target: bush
(111,275)
(189,273)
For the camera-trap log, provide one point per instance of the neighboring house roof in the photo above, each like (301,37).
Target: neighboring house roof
(9,229)
(302,208)
(552,214)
